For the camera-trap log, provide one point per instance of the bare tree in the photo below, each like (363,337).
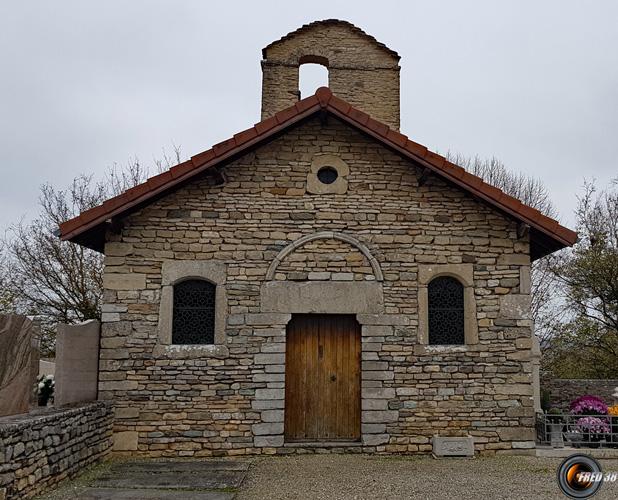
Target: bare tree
(58,281)
(7,299)
(546,310)
(528,190)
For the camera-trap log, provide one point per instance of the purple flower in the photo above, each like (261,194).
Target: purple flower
(593,425)
(588,405)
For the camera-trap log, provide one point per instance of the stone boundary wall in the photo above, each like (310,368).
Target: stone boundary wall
(38,450)
(563,391)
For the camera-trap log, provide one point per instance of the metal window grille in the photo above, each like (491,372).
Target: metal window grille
(446,311)
(194,312)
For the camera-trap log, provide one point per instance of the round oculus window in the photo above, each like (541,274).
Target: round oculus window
(327,175)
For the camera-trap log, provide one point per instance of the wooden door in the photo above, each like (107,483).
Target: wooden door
(322,378)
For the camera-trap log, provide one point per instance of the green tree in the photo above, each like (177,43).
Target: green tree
(586,344)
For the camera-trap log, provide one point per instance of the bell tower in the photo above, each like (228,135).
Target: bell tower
(361,70)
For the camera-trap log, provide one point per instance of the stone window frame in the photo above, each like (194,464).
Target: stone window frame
(339,186)
(176,271)
(464,273)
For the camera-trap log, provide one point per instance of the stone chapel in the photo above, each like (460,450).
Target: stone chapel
(318,281)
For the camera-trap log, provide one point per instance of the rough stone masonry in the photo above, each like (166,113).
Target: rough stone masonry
(173,400)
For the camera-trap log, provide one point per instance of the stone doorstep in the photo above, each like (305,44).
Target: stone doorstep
(323,444)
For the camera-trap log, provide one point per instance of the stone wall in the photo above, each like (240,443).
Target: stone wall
(563,391)
(40,449)
(227,399)
(360,71)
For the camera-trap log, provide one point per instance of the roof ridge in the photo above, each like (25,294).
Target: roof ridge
(264,130)
(312,24)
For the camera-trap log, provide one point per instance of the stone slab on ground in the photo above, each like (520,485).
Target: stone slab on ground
(192,480)
(142,494)
(185,466)
(207,479)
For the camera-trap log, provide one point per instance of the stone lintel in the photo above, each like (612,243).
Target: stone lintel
(325,297)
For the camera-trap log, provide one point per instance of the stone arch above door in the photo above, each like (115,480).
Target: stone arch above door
(325,235)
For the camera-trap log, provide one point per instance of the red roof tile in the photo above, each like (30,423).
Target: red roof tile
(556,236)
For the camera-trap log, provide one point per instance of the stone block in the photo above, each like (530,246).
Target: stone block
(525,283)
(379,416)
(373,428)
(516,433)
(123,412)
(113,308)
(383,319)
(374,404)
(378,375)
(269,377)
(110,317)
(272,347)
(377,330)
(316,276)
(270,359)
(329,297)
(515,306)
(269,393)
(268,441)
(375,439)
(514,389)
(378,393)
(117,248)
(267,319)
(374,365)
(266,429)
(444,446)
(125,441)
(514,259)
(124,281)
(272,416)
(523,445)
(267,404)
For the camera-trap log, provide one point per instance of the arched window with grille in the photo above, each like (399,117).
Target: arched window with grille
(446,318)
(194,312)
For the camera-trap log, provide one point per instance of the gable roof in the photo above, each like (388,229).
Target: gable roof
(325,22)
(88,229)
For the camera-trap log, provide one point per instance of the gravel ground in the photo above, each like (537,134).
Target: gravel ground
(371,477)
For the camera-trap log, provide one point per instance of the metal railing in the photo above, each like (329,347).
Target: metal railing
(580,431)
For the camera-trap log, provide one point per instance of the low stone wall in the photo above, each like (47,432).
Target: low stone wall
(563,391)
(38,450)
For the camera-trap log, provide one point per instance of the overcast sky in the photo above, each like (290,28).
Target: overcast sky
(84,84)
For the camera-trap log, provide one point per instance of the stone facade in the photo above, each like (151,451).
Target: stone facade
(563,391)
(41,449)
(361,71)
(358,252)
